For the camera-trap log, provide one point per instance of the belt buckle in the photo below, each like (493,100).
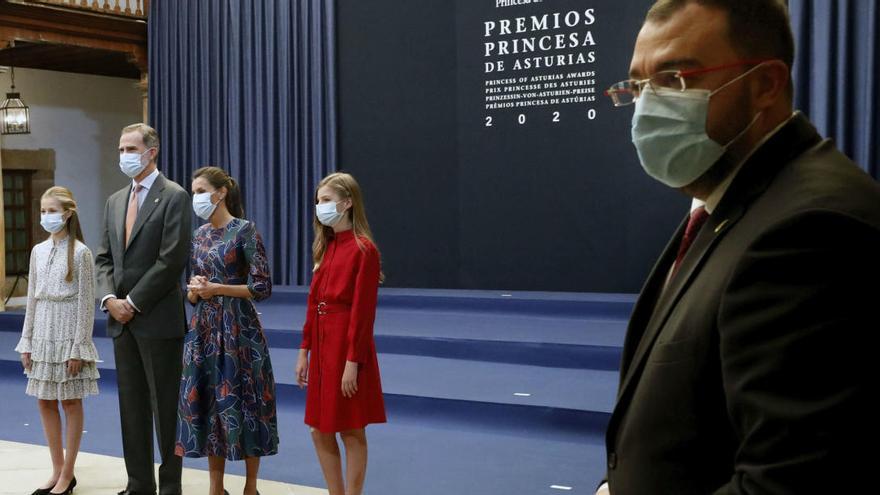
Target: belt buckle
(322,308)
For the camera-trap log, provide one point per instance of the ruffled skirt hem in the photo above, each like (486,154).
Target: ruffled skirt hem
(69,390)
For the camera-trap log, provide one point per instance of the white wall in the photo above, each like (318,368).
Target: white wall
(79,116)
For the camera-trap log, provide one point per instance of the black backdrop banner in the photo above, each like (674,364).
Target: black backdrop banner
(575,207)
(490,157)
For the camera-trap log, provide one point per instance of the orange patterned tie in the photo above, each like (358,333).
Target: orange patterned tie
(132,213)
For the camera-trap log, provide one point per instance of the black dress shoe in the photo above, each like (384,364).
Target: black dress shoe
(42,491)
(68,490)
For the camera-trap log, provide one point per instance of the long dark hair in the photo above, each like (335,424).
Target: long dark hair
(218,178)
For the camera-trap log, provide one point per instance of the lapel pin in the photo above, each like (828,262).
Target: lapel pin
(720,226)
(157,200)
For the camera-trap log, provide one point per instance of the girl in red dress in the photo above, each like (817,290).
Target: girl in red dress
(337,359)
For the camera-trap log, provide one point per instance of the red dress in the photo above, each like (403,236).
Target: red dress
(339,328)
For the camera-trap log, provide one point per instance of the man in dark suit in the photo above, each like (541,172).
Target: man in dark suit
(748,361)
(144,249)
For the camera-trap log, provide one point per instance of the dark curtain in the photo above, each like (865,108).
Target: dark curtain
(837,64)
(249,86)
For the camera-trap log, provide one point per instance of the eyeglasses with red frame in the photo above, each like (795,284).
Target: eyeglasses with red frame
(626,92)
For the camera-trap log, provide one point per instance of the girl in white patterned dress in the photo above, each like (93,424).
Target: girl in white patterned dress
(56,346)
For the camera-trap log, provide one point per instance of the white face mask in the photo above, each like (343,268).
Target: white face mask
(52,222)
(327,214)
(203,206)
(669,133)
(132,164)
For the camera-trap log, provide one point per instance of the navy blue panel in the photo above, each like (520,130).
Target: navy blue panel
(837,61)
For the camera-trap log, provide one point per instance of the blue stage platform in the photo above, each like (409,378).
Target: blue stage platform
(487,392)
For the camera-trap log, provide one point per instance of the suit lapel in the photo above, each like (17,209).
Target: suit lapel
(713,230)
(154,197)
(120,219)
(648,297)
(753,178)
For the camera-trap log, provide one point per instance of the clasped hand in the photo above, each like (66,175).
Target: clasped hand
(201,287)
(120,310)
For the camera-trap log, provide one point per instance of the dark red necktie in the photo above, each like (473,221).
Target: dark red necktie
(698,218)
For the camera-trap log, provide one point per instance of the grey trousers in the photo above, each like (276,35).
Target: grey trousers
(148,376)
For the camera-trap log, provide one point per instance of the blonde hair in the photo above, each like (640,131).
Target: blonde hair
(347,188)
(74,231)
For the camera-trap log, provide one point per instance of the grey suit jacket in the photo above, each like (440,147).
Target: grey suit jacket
(149,268)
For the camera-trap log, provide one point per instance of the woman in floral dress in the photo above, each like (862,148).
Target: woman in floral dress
(227,391)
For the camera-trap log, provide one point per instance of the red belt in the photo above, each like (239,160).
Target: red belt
(328,308)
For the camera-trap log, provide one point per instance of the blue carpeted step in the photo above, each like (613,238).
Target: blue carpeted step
(557,398)
(542,340)
(540,329)
(478,381)
(579,304)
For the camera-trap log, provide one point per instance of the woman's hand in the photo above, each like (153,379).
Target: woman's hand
(349,379)
(302,368)
(74,366)
(201,287)
(209,290)
(194,288)
(26,360)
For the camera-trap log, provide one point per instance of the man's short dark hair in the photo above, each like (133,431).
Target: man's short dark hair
(148,134)
(757,28)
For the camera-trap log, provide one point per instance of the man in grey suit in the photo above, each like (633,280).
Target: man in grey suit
(144,248)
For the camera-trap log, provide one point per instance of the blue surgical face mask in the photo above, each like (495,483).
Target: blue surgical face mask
(132,164)
(327,214)
(669,133)
(202,205)
(52,222)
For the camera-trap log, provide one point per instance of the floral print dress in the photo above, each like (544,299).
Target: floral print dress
(227,391)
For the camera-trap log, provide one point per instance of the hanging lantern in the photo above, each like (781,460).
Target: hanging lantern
(14,114)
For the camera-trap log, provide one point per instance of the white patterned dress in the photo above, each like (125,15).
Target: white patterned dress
(58,323)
